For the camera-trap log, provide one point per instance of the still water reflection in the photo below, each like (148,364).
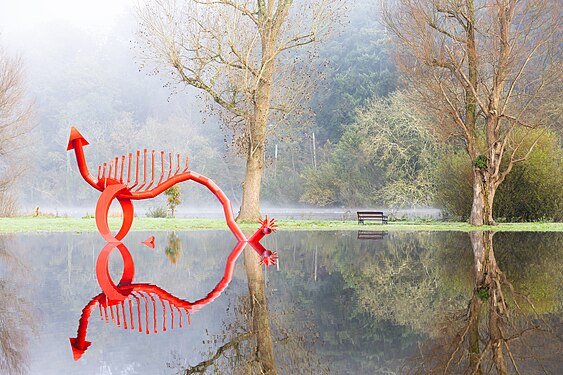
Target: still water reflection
(395,303)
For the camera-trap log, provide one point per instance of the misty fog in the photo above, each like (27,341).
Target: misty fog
(84,67)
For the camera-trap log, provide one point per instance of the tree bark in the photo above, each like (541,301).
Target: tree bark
(497,340)
(250,205)
(256,147)
(483,198)
(478,243)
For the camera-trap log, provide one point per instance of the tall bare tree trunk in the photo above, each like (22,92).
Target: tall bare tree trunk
(259,312)
(228,49)
(256,136)
(250,205)
(484,191)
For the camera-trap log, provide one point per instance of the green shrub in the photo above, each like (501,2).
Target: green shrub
(383,158)
(320,186)
(349,176)
(481,162)
(157,212)
(454,186)
(531,191)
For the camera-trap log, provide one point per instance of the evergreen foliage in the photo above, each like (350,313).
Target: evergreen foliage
(358,69)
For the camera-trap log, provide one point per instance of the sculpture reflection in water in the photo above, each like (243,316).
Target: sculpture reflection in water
(131,305)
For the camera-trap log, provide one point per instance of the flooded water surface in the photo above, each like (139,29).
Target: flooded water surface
(346,302)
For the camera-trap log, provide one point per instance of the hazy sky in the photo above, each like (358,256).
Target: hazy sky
(21,19)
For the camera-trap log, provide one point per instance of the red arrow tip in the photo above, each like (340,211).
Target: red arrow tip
(149,242)
(77,352)
(75,136)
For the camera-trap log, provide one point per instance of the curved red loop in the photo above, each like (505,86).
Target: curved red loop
(102,210)
(128,213)
(121,291)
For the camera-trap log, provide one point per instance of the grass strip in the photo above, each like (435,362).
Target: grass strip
(65,224)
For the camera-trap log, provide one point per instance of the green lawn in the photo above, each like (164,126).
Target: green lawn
(62,224)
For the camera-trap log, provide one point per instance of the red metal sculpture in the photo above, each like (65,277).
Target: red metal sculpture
(115,181)
(120,179)
(136,299)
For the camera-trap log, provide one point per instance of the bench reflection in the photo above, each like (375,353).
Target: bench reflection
(371,234)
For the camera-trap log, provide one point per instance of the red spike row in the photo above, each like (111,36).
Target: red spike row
(178,169)
(121,170)
(186,169)
(152,171)
(136,170)
(116,167)
(169,165)
(161,168)
(129,168)
(144,170)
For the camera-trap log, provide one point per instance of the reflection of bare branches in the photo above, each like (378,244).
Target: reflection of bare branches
(402,275)
(494,332)
(16,320)
(233,344)
(249,341)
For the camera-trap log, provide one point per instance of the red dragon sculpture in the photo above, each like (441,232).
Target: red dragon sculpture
(121,179)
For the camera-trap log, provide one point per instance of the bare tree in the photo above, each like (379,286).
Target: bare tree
(15,114)
(241,54)
(489,71)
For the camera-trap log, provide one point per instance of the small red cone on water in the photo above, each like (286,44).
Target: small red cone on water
(149,242)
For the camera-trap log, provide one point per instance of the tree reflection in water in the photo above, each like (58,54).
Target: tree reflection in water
(500,331)
(378,304)
(16,315)
(173,249)
(248,342)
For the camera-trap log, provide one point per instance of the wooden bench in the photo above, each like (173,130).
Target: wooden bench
(371,215)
